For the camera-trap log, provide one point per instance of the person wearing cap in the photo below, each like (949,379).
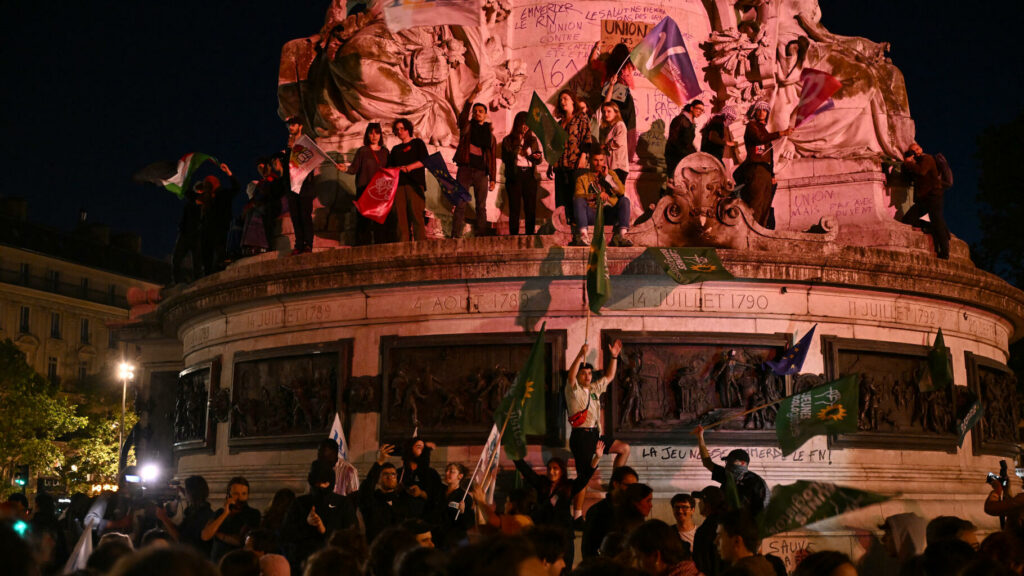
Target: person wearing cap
(757,173)
(753,491)
(583,404)
(711,504)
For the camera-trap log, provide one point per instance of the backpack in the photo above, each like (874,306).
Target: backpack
(945,172)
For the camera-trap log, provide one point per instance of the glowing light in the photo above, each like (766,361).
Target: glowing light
(126,371)
(149,472)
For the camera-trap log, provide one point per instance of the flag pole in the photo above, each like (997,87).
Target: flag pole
(501,433)
(741,414)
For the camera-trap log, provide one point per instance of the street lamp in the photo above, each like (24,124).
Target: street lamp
(126,372)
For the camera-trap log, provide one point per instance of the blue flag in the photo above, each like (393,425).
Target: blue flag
(792,359)
(451,189)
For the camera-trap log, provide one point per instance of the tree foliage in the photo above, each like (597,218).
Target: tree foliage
(1001,200)
(34,417)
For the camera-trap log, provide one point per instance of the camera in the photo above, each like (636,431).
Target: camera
(993,476)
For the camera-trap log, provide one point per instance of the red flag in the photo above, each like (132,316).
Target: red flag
(818,87)
(379,195)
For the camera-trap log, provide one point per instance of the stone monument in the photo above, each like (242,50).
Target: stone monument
(244,369)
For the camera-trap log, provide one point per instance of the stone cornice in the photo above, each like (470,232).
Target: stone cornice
(503,258)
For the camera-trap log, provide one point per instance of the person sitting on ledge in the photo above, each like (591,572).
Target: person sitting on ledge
(600,185)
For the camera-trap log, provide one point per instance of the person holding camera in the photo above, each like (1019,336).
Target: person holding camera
(1003,503)
(313,517)
(231,523)
(187,523)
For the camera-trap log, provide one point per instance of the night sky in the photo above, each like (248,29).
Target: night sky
(94,91)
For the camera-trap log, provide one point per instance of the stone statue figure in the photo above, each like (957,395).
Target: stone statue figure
(758,50)
(356,71)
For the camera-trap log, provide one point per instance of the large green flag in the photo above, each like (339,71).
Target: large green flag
(689,265)
(599,284)
(938,370)
(552,137)
(827,409)
(523,406)
(804,502)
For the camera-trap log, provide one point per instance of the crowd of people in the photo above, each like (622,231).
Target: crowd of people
(407,518)
(593,166)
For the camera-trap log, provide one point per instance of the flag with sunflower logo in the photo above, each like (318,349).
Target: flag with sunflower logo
(523,407)
(806,501)
(689,265)
(827,409)
(551,136)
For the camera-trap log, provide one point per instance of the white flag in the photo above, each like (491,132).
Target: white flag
(82,551)
(402,14)
(305,157)
(346,477)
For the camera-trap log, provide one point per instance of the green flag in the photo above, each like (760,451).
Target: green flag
(804,502)
(938,371)
(552,137)
(599,284)
(689,265)
(523,406)
(973,414)
(827,409)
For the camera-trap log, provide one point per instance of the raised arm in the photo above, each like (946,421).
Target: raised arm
(574,368)
(613,361)
(705,456)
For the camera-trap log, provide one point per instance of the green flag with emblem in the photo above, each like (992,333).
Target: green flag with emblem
(523,407)
(552,137)
(796,505)
(689,265)
(827,409)
(938,370)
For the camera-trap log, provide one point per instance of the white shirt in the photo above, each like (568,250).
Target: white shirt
(576,400)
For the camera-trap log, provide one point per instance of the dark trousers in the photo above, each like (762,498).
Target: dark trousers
(408,209)
(618,215)
(565,191)
(759,191)
(271,210)
(300,208)
(521,187)
(188,242)
(476,179)
(369,231)
(932,206)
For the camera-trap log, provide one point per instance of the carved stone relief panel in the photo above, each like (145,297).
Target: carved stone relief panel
(284,393)
(997,431)
(193,426)
(894,412)
(158,440)
(666,385)
(446,388)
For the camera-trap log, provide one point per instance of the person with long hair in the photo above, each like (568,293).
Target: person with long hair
(520,154)
(457,515)
(368,160)
(410,198)
(478,169)
(556,492)
(613,139)
(716,138)
(273,516)
(574,157)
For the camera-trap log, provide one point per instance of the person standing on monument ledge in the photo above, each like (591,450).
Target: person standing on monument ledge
(753,491)
(300,206)
(410,198)
(476,158)
(583,403)
(600,185)
(757,173)
(928,197)
(681,133)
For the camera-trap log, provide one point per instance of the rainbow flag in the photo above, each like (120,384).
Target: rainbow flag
(663,59)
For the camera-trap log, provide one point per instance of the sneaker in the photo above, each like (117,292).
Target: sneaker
(585,236)
(576,240)
(620,241)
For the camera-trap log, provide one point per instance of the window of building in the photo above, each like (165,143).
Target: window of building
(85,287)
(83,369)
(51,370)
(53,278)
(23,320)
(112,294)
(25,272)
(111,340)
(84,335)
(54,324)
